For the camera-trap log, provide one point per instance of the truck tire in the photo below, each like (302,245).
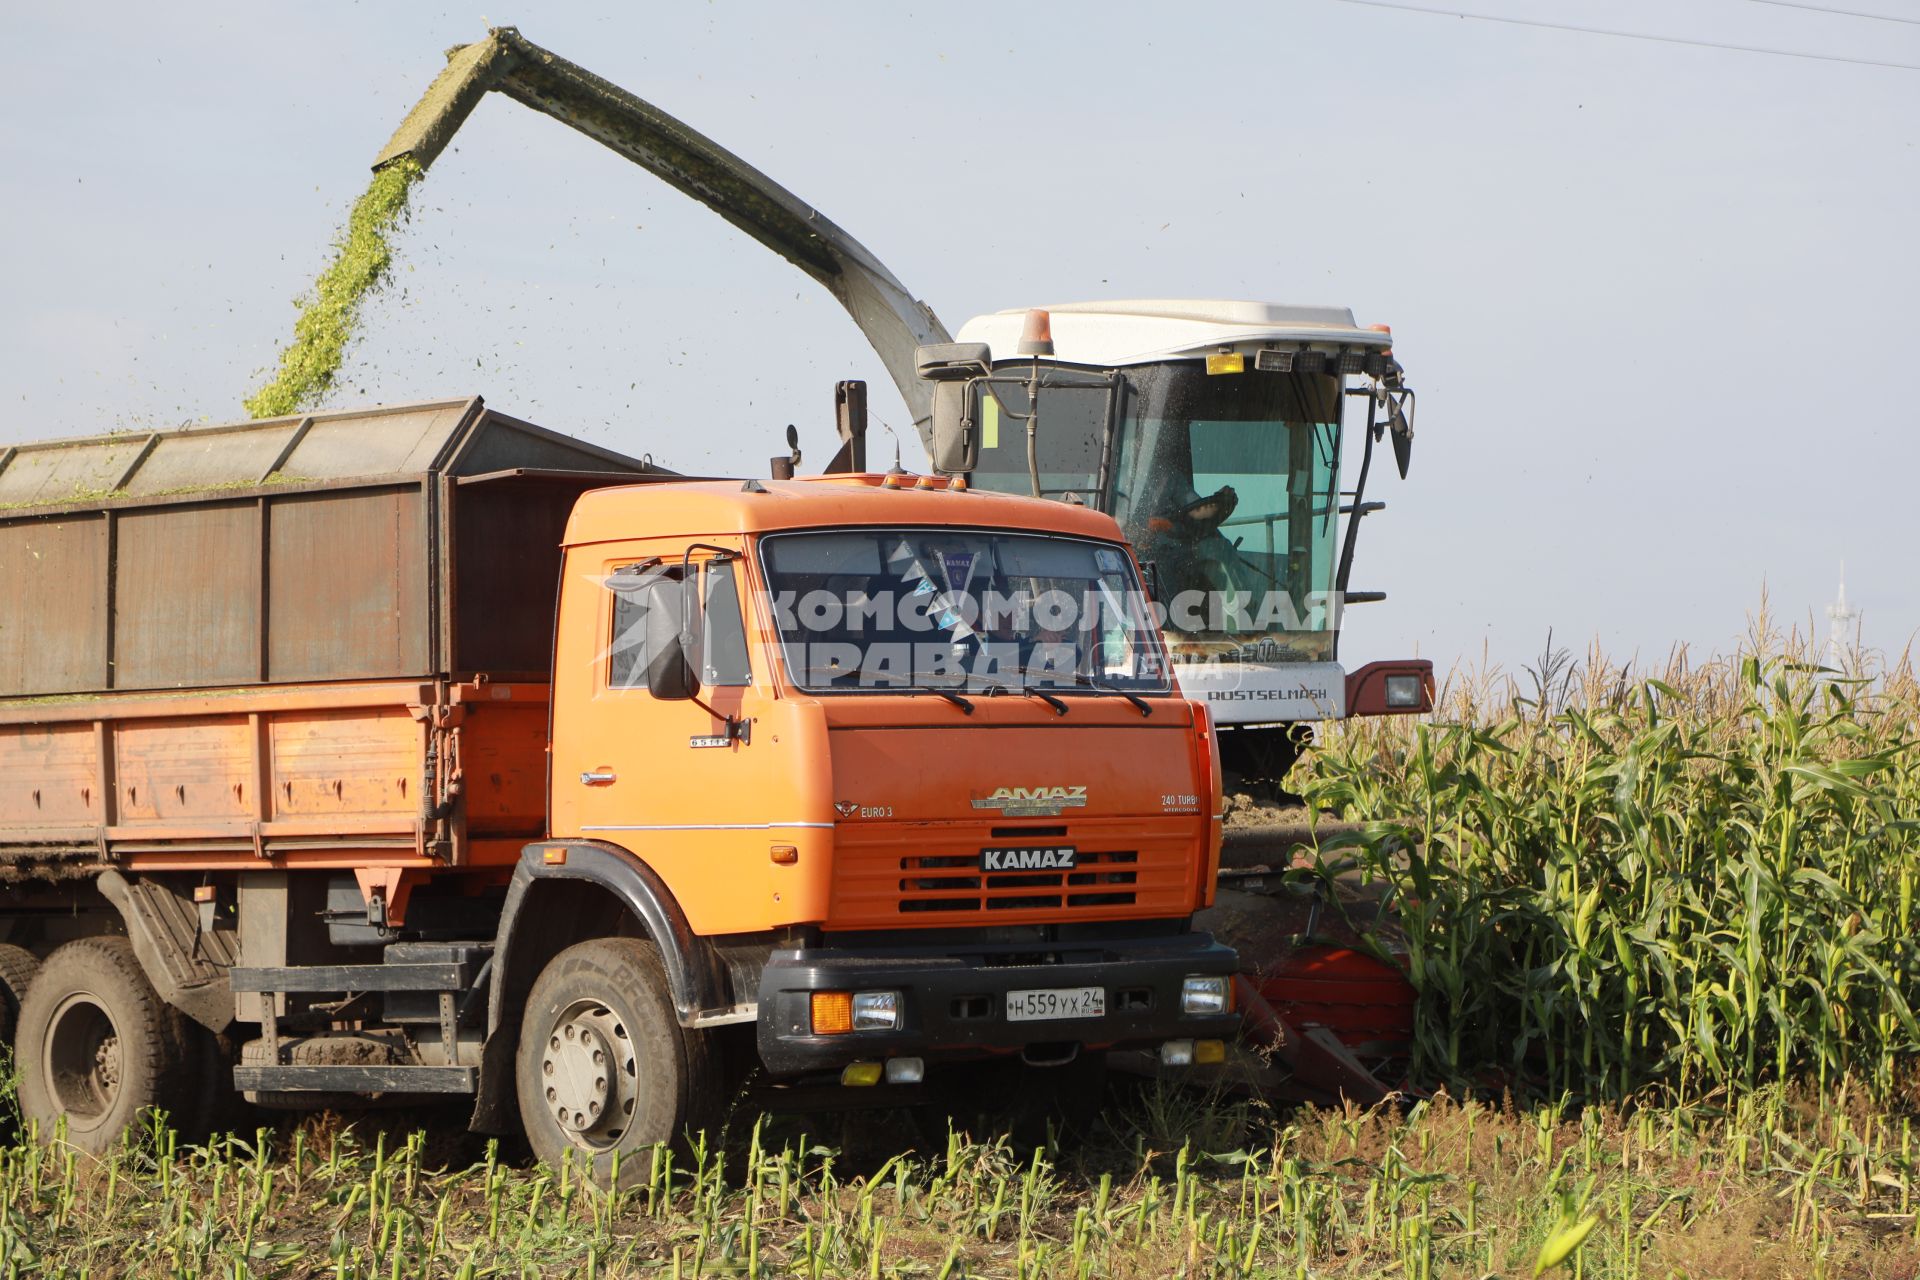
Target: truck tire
(603,1064)
(97,1046)
(216,1106)
(17,967)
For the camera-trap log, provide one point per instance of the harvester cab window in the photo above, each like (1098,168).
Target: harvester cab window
(1074,410)
(1229,484)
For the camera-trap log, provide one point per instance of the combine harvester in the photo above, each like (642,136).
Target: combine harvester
(1213,431)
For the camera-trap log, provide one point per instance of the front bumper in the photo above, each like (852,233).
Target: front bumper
(954,1003)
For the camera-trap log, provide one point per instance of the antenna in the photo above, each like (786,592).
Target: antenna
(898,470)
(1842,618)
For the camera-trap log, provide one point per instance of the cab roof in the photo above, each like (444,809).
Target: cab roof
(1142,330)
(713,508)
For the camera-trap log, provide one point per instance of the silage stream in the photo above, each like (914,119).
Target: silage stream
(330,314)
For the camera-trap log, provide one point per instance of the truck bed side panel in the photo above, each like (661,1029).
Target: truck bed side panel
(53,605)
(342,773)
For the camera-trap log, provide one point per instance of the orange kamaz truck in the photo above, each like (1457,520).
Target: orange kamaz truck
(422,751)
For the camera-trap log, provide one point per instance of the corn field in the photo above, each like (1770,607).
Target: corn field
(1682,884)
(1661,929)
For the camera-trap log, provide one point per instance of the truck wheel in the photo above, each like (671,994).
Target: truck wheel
(17,967)
(216,1106)
(96,1045)
(604,1066)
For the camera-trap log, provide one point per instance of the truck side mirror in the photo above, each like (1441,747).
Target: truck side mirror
(956,427)
(670,673)
(953,367)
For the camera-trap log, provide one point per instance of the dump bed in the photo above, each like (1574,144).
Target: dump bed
(325,636)
(416,541)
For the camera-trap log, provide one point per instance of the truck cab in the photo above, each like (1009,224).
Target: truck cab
(912,752)
(310,794)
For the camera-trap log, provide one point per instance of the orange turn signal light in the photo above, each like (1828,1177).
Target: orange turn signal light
(784,855)
(554,855)
(832,1013)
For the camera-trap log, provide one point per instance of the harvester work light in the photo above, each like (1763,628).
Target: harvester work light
(1403,691)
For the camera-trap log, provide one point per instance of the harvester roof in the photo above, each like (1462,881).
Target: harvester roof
(1139,331)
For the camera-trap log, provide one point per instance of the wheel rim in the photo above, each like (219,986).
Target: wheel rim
(588,1075)
(83,1060)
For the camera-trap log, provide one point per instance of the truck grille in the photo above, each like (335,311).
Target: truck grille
(926,874)
(941,882)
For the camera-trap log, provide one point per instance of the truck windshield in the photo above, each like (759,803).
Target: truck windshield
(960,610)
(1228,484)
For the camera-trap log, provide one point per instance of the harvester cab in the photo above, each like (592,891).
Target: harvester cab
(1213,431)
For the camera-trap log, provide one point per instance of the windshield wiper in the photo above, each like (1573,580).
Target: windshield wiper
(1058,706)
(995,688)
(958,701)
(1084,680)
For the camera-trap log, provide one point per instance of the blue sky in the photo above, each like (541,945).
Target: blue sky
(1658,300)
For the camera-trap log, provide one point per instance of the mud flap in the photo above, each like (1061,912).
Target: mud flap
(186,964)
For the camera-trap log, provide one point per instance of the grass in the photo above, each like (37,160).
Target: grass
(1775,1186)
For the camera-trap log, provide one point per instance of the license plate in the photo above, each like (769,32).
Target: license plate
(1056,1002)
(1029,858)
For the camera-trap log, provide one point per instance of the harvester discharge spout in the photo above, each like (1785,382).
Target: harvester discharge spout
(891,318)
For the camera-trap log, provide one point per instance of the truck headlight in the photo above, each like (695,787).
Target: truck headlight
(876,1010)
(1204,995)
(1403,691)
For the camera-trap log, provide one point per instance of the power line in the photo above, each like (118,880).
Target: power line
(1636,35)
(1841,13)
